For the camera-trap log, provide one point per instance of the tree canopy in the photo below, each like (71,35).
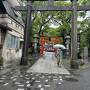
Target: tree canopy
(58,23)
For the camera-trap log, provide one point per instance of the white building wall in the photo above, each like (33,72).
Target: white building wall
(16,30)
(6,20)
(10,54)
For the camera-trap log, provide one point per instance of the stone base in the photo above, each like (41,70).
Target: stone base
(24,61)
(74,64)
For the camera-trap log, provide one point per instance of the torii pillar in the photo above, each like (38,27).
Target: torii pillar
(74,60)
(27,34)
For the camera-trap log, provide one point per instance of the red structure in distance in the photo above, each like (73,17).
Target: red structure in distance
(51,40)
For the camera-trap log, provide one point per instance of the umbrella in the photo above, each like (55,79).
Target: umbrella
(59,46)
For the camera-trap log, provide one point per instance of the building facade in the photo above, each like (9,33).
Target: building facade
(11,32)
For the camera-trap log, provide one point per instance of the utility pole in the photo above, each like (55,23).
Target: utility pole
(74,63)
(27,34)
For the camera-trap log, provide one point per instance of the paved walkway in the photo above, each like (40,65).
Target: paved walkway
(48,64)
(43,75)
(17,77)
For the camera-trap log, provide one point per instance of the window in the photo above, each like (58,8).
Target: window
(12,41)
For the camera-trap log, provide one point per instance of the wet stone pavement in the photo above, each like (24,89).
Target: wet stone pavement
(18,79)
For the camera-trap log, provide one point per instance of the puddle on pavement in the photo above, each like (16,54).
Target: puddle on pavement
(71,79)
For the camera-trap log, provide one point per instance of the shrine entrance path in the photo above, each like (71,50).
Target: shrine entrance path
(48,64)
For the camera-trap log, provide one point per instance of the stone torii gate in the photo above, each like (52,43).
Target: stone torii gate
(28,27)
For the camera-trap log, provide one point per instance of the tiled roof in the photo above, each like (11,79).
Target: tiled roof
(10,11)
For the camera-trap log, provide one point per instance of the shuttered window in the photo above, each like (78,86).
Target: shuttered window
(12,41)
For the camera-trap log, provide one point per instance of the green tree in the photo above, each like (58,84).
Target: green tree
(84,26)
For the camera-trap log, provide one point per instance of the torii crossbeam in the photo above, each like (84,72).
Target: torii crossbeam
(27,32)
(54,8)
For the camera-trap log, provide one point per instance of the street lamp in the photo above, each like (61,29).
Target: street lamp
(67,41)
(35,42)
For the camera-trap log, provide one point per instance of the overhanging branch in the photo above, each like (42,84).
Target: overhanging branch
(44,24)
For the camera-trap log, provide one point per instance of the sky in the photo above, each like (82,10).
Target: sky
(87,15)
(79,19)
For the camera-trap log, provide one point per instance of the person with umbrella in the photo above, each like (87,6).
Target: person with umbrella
(58,56)
(59,48)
